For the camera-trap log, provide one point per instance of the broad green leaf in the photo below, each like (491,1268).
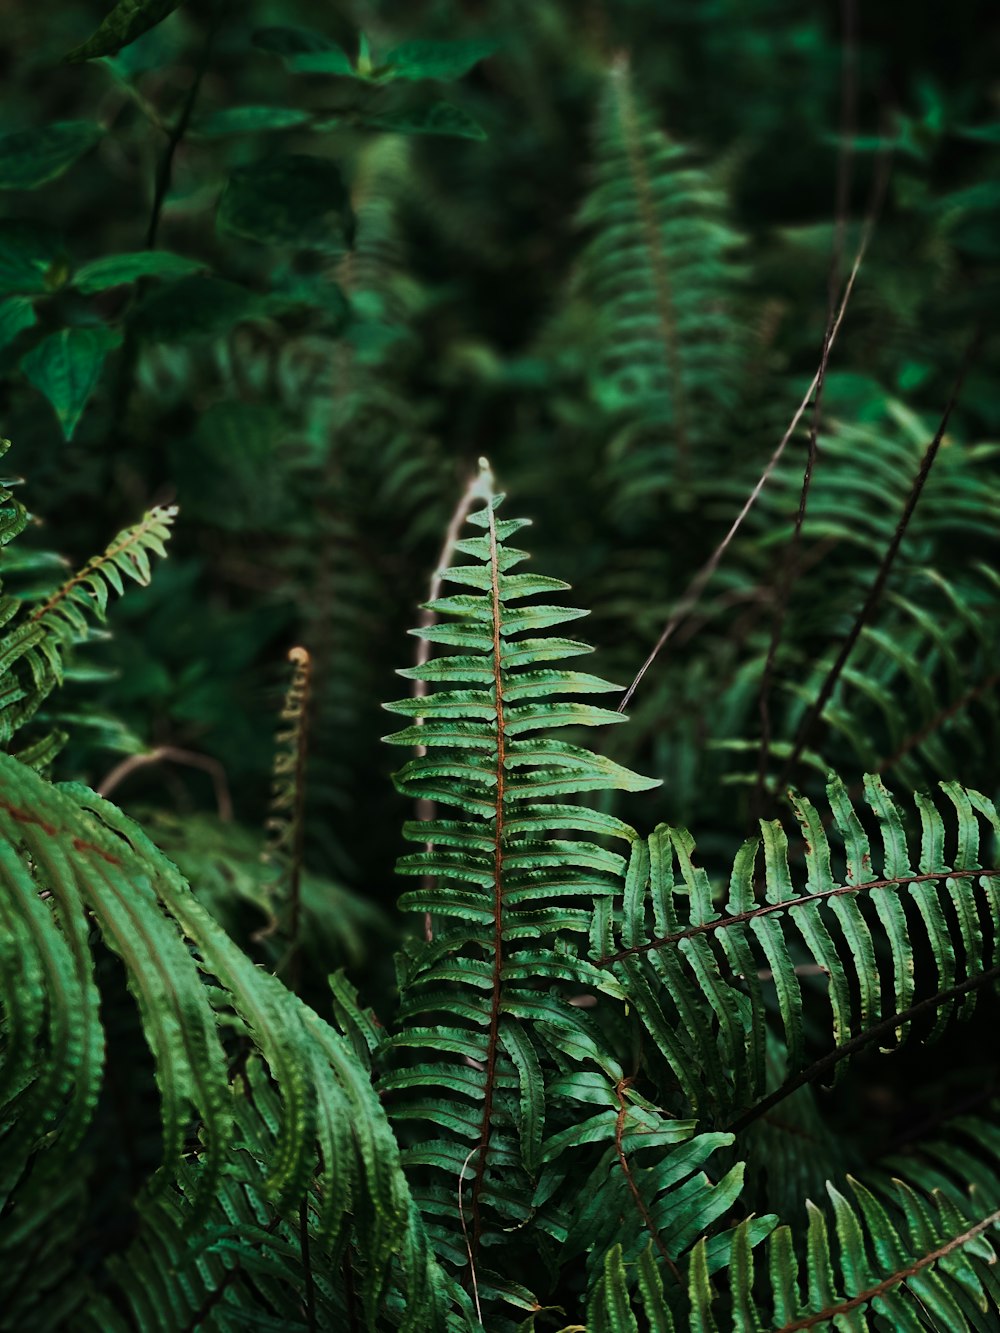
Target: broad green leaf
(128,20)
(334,60)
(114,270)
(248,120)
(436,60)
(32,257)
(195,307)
(440,118)
(290,199)
(29,158)
(16,314)
(66,366)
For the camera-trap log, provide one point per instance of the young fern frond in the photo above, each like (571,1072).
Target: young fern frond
(659,271)
(700,977)
(517,874)
(285,824)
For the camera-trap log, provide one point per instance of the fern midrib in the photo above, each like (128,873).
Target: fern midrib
(134,537)
(663,288)
(640,1202)
(767,909)
(894,1279)
(497,978)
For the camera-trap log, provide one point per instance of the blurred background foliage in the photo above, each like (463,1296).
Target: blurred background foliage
(296,266)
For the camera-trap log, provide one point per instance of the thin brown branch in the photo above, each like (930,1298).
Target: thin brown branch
(820,1068)
(894,1279)
(640,1202)
(767,909)
(791,566)
(172,754)
(881,578)
(696,587)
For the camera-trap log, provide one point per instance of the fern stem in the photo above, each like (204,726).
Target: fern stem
(640,1202)
(498,831)
(894,1279)
(696,587)
(768,909)
(882,576)
(791,567)
(819,1068)
(131,537)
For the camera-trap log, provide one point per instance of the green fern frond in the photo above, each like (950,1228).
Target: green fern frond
(703,977)
(920,1245)
(659,271)
(510,881)
(32,653)
(66,856)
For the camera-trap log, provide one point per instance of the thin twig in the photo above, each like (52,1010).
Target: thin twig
(814,1072)
(791,566)
(640,1202)
(881,578)
(165,170)
(465,1233)
(171,754)
(697,585)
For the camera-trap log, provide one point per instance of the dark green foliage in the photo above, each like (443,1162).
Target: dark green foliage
(275,276)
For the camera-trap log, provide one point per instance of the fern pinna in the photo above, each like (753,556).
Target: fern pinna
(508,898)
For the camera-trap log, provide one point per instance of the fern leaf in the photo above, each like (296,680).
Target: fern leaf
(507,895)
(658,268)
(699,974)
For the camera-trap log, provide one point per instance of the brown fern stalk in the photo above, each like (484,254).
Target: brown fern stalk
(815,712)
(895,1279)
(768,909)
(819,1069)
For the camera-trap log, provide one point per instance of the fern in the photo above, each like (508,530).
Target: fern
(658,271)
(694,973)
(507,896)
(33,652)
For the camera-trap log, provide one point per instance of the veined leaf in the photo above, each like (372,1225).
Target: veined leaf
(114,270)
(29,158)
(66,366)
(128,20)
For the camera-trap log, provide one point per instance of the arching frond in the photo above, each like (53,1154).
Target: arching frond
(67,856)
(913,1250)
(704,974)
